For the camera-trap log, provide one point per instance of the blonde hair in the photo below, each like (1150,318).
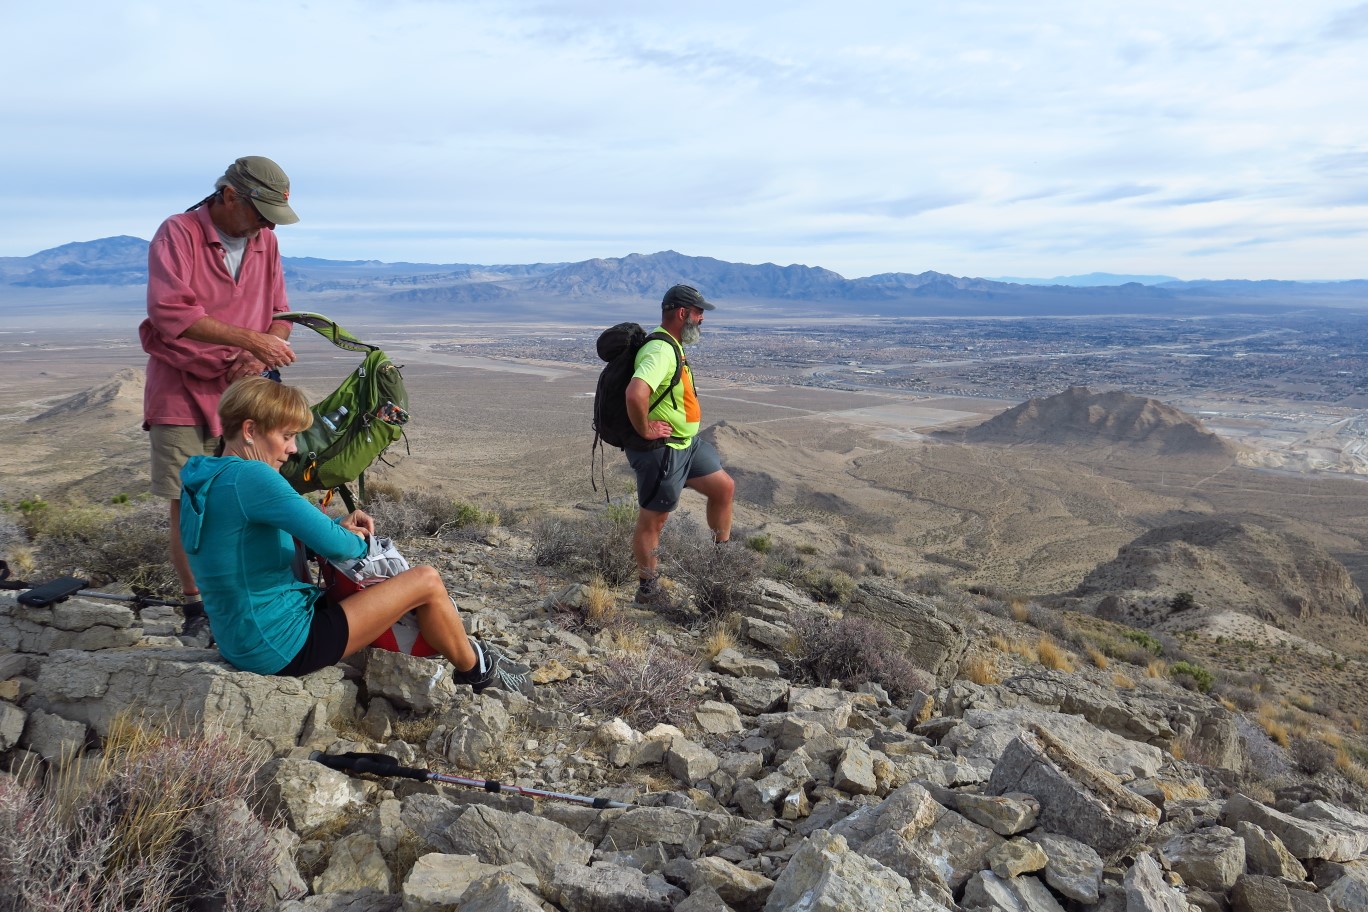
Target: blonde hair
(270,404)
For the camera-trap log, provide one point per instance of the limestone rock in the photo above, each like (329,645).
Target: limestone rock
(1326,839)
(1005,815)
(1071,867)
(610,888)
(1147,891)
(308,794)
(755,695)
(717,718)
(1076,798)
(731,662)
(193,691)
(1266,855)
(355,864)
(742,889)
(52,737)
(498,892)
(1259,893)
(918,630)
(1209,859)
(409,682)
(1015,857)
(825,876)
(690,762)
(500,838)
(989,892)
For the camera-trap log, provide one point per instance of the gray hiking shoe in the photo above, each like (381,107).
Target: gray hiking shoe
(196,631)
(493,668)
(649,591)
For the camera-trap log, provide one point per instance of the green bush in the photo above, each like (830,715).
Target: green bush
(1145,641)
(414,514)
(831,586)
(760,543)
(1201,678)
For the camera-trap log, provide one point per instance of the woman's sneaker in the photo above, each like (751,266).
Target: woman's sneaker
(649,591)
(495,669)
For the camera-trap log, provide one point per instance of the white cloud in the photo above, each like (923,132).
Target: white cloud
(979,137)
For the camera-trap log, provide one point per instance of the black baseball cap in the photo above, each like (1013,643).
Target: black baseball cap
(684,296)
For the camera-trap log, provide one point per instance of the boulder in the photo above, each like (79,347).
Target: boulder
(409,682)
(1266,855)
(610,888)
(1077,798)
(1072,868)
(717,718)
(919,631)
(191,691)
(1259,893)
(1210,859)
(52,737)
(755,695)
(355,864)
(1015,857)
(1327,839)
(438,881)
(734,663)
(500,838)
(742,889)
(990,892)
(501,891)
(1147,891)
(308,794)
(825,876)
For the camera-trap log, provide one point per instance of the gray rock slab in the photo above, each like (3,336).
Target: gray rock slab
(754,695)
(363,901)
(500,838)
(1265,853)
(737,664)
(1210,859)
(51,736)
(1306,839)
(745,890)
(1077,798)
(1072,868)
(611,888)
(986,734)
(409,682)
(1147,891)
(499,892)
(928,638)
(192,691)
(988,892)
(354,864)
(308,794)
(824,875)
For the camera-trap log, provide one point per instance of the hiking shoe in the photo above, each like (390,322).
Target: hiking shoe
(649,591)
(493,668)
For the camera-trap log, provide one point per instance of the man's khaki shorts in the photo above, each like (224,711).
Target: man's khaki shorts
(172,447)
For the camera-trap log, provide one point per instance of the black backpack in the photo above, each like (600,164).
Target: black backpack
(618,345)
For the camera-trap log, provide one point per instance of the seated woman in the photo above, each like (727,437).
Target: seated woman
(238,514)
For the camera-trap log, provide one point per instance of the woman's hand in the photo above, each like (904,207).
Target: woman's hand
(358,522)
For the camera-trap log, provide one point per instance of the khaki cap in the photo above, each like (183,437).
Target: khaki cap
(266,185)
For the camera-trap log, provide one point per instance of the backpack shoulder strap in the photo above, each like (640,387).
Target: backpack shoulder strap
(328,329)
(678,371)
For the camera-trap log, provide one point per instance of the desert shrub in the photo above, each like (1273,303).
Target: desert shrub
(125,544)
(831,586)
(12,535)
(643,688)
(1183,601)
(1172,650)
(785,562)
(1242,698)
(929,584)
(553,541)
(760,543)
(414,514)
(719,577)
(1191,676)
(597,545)
(159,824)
(1146,642)
(853,650)
(720,634)
(1312,756)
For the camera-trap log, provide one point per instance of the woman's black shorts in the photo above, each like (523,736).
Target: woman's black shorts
(326,644)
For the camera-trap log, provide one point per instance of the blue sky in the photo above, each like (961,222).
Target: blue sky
(1212,139)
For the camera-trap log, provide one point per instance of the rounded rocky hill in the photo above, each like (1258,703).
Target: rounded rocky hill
(1234,564)
(1079,416)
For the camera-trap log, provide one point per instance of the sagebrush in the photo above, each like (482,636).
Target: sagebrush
(853,650)
(643,688)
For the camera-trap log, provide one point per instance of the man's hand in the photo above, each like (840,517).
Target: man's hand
(269,350)
(358,522)
(658,430)
(244,365)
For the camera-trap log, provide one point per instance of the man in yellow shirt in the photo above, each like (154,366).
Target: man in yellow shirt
(684,460)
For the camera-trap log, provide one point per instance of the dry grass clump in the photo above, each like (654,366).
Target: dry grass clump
(1119,679)
(1051,655)
(426,514)
(721,634)
(158,824)
(643,688)
(1097,657)
(600,604)
(124,543)
(1157,669)
(980,668)
(853,650)
(1276,730)
(1020,610)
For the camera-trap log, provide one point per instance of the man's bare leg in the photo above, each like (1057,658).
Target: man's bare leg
(719,488)
(646,541)
(179,562)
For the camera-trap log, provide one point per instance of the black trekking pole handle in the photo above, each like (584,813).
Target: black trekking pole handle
(376,764)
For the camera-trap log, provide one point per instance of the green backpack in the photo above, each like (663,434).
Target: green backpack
(354,424)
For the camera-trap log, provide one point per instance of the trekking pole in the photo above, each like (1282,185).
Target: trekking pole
(385,765)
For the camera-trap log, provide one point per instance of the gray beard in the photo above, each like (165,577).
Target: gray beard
(690,334)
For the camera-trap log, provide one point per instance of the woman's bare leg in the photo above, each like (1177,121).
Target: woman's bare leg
(374,610)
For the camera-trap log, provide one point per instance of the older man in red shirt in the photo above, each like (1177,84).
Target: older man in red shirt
(214,285)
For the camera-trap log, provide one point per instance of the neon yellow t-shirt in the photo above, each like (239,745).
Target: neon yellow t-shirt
(655,364)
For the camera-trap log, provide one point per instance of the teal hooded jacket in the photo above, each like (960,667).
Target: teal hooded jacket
(238,520)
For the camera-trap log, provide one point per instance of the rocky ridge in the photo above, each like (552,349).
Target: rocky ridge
(1047,791)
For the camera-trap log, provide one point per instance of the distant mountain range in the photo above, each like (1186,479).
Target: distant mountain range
(424,290)
(1091,280)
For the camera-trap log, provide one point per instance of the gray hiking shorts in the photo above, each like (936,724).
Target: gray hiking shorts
(662,473)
